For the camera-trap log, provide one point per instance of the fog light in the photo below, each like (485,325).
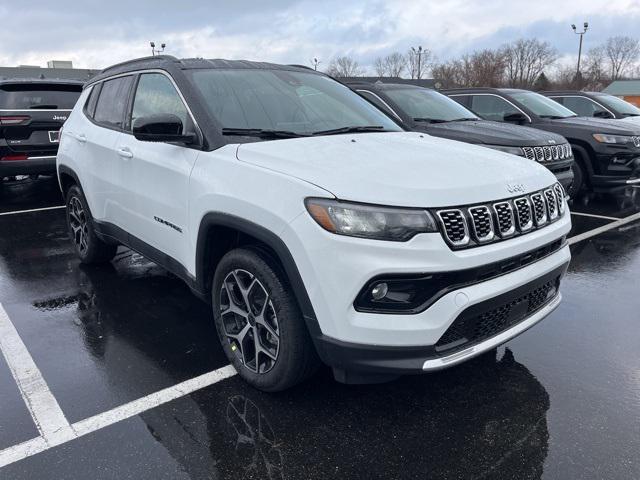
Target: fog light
(379,291)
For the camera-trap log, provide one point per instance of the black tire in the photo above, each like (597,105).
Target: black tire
(578,186)
(287,338)
(88,246)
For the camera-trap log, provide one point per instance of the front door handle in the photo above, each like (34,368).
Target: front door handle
(125,153)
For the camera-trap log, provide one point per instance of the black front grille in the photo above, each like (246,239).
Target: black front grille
(455,226)
(487,319)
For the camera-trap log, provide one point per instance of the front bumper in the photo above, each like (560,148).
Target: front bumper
(31,166)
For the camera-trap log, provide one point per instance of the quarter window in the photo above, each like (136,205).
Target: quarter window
(113,102)
(156,95)
(491,107)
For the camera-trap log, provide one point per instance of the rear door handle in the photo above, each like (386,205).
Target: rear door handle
(125,152)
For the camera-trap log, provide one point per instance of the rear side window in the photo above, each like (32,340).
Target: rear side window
(112,102)
(582,106)
(39,96)
(156,95)
(492,107)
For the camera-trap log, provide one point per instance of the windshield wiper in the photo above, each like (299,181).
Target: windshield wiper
(556,117)
(430,120)
(354,129)
(262,133)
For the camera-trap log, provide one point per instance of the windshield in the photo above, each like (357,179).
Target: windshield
(282,100)
(622,106)
(421,103)
(541,106)
(29,96)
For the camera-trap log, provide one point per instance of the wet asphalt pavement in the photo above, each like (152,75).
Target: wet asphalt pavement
(562,401)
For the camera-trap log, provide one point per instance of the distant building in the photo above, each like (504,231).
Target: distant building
(628,90)
(422,82)
(56,69)
(59,64)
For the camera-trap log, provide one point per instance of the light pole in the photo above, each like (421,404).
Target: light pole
(585,27)
(315,62)
(418,52)
(155,52)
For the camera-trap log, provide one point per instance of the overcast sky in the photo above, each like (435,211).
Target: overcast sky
(95,34)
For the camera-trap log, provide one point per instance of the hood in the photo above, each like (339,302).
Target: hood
(493,133)
(399,168)
(600,125)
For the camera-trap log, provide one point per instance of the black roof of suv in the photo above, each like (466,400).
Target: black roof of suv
(32,112)
(607,152)
(422,109)
(594,104)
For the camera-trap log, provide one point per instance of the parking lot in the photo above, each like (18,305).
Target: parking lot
(116,372)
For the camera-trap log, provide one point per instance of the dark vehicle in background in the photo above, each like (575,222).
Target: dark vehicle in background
(32,112)
(595,104)
(425,110)
(606,152)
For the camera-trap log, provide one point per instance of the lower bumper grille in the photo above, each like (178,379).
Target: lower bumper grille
(489,318)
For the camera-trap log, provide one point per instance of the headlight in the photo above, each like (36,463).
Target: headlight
(618,139)
(512,150)
(370,221)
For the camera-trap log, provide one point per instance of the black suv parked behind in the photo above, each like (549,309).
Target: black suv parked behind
(425,110)
(594,104)
(607,152)
(32,112)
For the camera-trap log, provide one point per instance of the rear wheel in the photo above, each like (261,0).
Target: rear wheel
(259,322)
(88,246)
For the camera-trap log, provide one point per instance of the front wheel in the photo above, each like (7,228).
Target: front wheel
(88,246)
(259,323)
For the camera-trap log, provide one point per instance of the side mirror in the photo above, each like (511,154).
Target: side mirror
(161,128)
(517,118)
(602,114)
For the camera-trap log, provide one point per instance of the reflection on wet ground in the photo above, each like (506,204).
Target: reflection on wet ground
(560,401)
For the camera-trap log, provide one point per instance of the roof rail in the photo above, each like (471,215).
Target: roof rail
(141,59)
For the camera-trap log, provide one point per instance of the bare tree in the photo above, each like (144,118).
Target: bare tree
(420,62)
(621,53)
(484,68)
(525,59)
(345,67)
(395,64)
(380,66)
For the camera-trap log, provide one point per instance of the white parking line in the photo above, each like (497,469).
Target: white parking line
(604,228)
(44,209)
(594,216)
(41,403)
(102,420)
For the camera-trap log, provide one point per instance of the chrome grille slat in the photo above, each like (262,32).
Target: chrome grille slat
(481,223)
(455,226)
(539,209)
(504,219)
(523,213)
(552,205)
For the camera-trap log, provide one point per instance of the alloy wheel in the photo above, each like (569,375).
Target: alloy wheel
(78,224)
(249,321)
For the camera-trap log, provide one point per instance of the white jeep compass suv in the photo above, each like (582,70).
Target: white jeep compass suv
(315,226)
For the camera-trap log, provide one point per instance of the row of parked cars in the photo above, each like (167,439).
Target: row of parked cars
(576,139)
(324,224)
